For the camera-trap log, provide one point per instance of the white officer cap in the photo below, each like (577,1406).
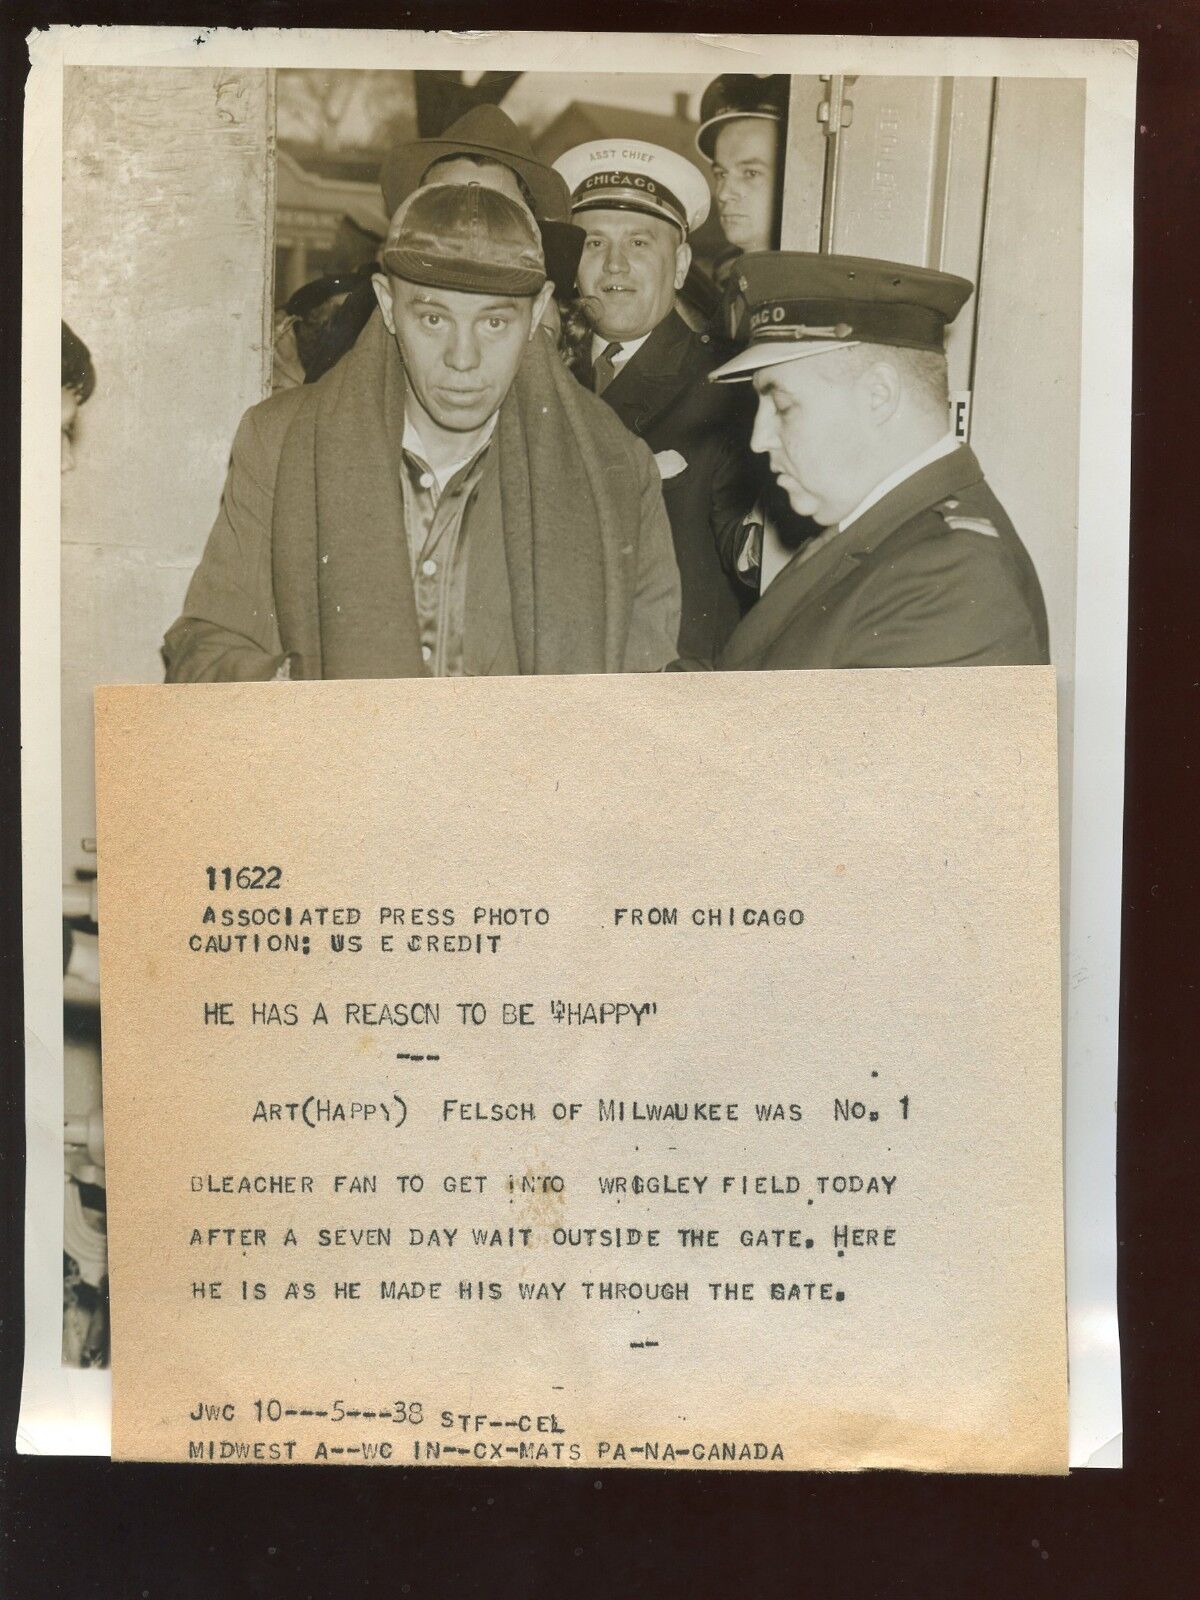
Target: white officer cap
(631,175)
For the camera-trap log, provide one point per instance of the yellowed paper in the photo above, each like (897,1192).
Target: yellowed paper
(532,1071)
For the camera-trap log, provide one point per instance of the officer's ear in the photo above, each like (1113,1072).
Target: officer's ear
(383,293)
(883,389)
(683,260)
(540,301)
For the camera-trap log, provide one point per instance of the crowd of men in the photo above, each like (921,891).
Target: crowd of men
(535,456)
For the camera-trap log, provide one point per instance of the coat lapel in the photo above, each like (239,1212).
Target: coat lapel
(654,376)
(804,583)
(367,609)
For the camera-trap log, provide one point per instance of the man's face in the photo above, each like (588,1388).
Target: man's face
(743,172)
(461,351)
(631,266)
(815,424)
(488,174)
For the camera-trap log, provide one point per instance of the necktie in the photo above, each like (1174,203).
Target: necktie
(603,370)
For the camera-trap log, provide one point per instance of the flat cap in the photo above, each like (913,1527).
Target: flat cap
(632,175)
(736,95)
(791,303)
(463,236)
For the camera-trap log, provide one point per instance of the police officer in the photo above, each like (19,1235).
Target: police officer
(637,204)
(742,121)
(917,564)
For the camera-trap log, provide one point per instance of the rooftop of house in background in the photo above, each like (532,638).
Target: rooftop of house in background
(581,121)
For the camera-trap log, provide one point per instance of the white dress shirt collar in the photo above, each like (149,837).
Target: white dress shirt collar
(629,347)
(412,444)
(945,446)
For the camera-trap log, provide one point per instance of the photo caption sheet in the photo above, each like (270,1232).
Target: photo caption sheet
(529,1072)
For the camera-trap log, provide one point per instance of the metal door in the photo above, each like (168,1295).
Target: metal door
(982,177)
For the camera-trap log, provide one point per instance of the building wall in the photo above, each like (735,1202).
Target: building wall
(167,200)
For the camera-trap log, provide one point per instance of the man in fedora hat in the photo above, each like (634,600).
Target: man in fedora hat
(486,146)
(917,564)
(485,135)
(638,203)
(446,501)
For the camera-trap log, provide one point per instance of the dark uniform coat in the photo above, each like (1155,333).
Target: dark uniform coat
(662,394)
(931,575)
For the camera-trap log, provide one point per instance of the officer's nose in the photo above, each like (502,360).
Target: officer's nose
(68,454)
(766,432)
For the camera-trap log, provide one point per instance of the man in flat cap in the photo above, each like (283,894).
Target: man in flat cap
(486,147)
(446,501)
(637,204)
(918,565)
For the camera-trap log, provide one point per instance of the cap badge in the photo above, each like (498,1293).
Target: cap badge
(771,321)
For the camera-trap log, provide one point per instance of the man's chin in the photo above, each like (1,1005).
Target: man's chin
(615,316)
(745,234)
(462,417)
(801,502)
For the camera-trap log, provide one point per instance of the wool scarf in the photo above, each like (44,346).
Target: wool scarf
(341,567)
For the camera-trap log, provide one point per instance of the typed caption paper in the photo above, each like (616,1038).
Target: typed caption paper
(529,1072)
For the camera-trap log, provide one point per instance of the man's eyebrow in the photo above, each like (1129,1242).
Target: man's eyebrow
(427,302)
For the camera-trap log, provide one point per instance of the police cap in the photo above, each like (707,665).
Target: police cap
(737,95)
(791,303)
(633,175)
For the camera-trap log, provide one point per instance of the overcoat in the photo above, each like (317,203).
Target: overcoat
(700,434)
(933,574)
(307,567)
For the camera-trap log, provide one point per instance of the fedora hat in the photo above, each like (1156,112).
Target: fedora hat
(484,131)
(562,245)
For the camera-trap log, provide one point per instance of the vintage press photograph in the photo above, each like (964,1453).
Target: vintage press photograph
(374,373)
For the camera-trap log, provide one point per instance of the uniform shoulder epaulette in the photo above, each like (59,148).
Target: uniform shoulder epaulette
(949,512)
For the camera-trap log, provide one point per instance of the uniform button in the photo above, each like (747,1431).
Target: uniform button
(426,480)
(426,653)
(429,568)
